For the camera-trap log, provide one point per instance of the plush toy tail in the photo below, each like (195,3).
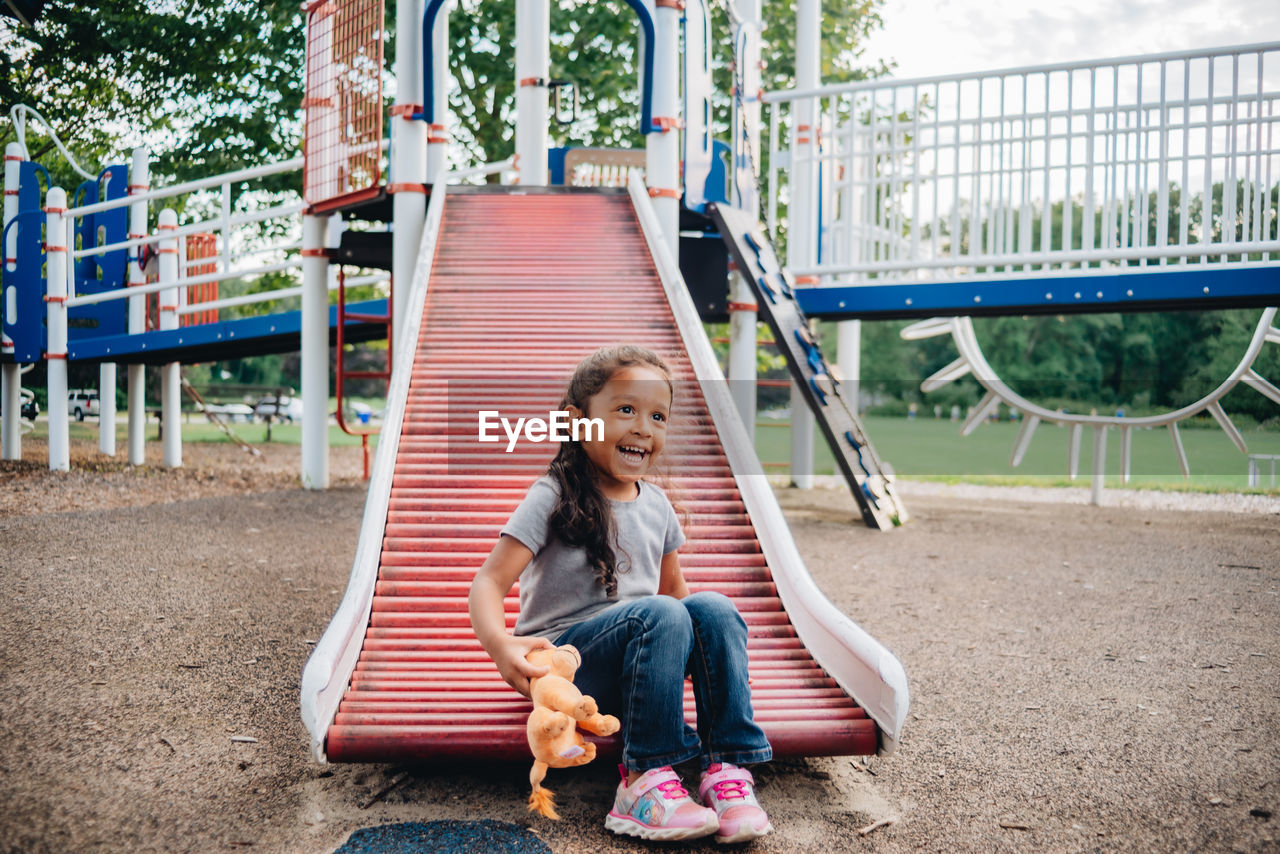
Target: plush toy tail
(541,801)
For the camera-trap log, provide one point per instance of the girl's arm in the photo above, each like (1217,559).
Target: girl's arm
(671,581)
(492,583)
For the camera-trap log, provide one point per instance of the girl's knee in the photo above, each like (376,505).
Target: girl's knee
(710,608)
(666,614)
(710,603)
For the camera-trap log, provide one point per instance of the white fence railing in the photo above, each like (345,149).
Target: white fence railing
(242,253)
(258,239)
(1047,169)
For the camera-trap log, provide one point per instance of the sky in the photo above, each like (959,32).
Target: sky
(933,37)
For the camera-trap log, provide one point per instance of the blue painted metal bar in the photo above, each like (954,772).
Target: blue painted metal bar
(1154,289)
(429,14)
(272,333)
(646,82)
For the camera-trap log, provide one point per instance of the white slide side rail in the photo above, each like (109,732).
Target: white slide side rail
(860,664)
(325,677)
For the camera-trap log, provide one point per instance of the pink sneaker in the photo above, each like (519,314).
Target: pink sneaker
(657,807)
(730,791)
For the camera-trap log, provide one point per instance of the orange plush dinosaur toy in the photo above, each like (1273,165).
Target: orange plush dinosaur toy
(558,710)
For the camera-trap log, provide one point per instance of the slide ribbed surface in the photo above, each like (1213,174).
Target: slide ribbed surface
(523,287)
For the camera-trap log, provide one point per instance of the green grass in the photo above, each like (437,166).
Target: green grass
(928,449)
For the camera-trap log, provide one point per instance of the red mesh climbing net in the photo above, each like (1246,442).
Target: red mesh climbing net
(343,101)
(202,253)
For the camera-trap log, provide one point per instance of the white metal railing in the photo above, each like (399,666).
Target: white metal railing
(235,244)
(233,248)
(460,176)
(238,248)
(279,294)
(1105,165)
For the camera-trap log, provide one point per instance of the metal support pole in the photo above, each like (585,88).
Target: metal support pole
(58,240)
(533,67)
(11,400)
(315,354)
(746,195)
(802,243)
(437,138)
(1073,451)
(849,359)
(662,148)
(1126,452)
(1099,466)
(742,353)
(409,156)
(107,408)
(10,373)
(139,181)
(170,372)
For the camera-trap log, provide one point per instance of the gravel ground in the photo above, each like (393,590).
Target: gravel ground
(1083,678)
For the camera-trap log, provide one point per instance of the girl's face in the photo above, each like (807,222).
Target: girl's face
(634,405)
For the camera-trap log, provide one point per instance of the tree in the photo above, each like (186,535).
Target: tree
(594,44)
(210,87)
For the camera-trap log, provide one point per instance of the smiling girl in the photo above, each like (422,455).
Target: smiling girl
(594,547)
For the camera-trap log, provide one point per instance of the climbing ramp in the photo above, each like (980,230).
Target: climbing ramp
(522,284)
(868,478)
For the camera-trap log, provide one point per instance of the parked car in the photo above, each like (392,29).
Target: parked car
(231,411)
(29,409)
(82,402)
(282,408)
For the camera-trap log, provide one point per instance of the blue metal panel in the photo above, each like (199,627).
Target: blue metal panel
(1154,289)
(555,166)
(717,187)
(23,287)
(99,273)
(25,315)
(29,191)
(246,336)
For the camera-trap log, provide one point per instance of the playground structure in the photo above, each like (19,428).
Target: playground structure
(860,169)
(936,201)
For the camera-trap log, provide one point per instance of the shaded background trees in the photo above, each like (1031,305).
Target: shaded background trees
(211,87)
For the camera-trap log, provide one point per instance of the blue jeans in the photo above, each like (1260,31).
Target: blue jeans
(634,659)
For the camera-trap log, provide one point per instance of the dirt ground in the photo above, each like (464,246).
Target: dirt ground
(1082,678)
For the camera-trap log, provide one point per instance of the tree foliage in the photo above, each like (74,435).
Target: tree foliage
(209,87)
(595,45)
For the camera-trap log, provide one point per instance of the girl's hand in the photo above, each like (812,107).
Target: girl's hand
(512,664)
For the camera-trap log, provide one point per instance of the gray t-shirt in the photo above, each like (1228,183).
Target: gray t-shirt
(559,589)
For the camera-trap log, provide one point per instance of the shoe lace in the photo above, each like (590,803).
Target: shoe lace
(730,789)
(672,790)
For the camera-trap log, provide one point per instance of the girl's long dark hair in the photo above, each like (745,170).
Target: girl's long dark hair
(582,517)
